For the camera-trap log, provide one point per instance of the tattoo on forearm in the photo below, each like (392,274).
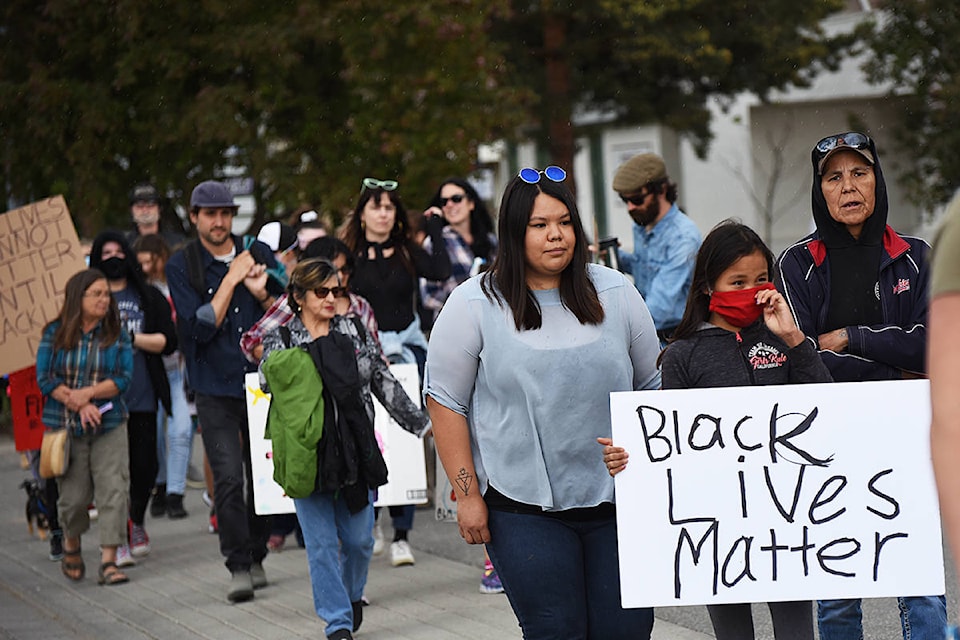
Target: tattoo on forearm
(464,480)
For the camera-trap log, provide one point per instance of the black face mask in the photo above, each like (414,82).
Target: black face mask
(114,268)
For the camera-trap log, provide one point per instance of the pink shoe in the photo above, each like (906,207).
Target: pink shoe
(276,542)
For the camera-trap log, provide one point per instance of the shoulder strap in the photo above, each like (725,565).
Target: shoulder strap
(361,330)
(191,252)
(286,336)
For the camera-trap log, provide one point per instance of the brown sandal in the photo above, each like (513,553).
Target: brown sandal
(72,564)
(110,575)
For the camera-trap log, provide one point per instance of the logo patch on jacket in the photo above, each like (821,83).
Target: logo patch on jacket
(902,285)
(763,356)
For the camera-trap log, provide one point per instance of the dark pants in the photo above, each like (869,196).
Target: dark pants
(142,443)
(563,578)
(243,534)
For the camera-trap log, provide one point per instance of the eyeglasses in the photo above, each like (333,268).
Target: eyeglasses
(553,173)
(457,199)
(323,292)
(851,139)
(386,185)
(636,201)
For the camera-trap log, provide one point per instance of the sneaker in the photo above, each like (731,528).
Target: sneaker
(124,559)
(92,511)
(490,582)
(241,586)
(158,501)
(212,527)
(175,506)
(258,577)
(400,553)
(340,634)
(56,545)
(378,543)
(207,498)
(275,542)
(139,540)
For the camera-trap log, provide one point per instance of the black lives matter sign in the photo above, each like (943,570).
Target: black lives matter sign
(39,251)
(761,494)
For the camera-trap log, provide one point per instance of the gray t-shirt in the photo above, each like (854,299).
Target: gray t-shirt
(537,400)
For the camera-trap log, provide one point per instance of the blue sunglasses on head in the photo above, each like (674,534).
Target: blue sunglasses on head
(553,173)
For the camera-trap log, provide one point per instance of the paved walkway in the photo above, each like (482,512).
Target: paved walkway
(178,591)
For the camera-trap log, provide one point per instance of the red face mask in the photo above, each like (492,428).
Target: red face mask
(738,307)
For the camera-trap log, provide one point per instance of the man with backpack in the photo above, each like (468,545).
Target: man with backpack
(220,288)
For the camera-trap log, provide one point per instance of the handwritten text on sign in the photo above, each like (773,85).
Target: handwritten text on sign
(761,494)
(39,251)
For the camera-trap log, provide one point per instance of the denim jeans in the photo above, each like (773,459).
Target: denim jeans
(562,577)
(339,546)
(243,534)
(921,617)
(174,437)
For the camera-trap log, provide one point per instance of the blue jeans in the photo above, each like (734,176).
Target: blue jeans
(562,577)
(339,547)
(174,437)
(922,618)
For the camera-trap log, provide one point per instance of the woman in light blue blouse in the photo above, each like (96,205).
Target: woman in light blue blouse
(521,363)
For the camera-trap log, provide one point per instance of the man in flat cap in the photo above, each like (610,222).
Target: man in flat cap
(665,240)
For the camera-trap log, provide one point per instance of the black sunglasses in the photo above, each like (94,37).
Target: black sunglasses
(635,200)
(457,199)
(323,292)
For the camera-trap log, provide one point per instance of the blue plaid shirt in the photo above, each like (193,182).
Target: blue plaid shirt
(662,265)
(67,367)
(433,294)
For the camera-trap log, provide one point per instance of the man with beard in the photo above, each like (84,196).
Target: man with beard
(145,212)
(665,240)
(220,288)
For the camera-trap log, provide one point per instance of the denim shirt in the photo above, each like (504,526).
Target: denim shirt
(662,265)
(215,364)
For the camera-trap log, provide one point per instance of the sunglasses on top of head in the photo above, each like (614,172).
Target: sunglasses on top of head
(374,183)
(552,173)
(456,199)
(323,292)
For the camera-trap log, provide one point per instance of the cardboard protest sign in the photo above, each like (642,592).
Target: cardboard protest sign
(402,451)
(776,493)
(39,251)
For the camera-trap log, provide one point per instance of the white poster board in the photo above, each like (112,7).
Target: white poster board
(402,451)
(775,493)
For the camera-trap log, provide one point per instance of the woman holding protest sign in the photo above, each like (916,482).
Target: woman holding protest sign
(737,331)
(521,363)
(84,366)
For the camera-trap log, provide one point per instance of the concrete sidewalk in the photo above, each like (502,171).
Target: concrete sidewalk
(178,591)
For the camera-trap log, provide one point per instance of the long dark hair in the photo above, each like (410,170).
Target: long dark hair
(355,238)
(67,335)
(481,224)
(726,243)
(506,280)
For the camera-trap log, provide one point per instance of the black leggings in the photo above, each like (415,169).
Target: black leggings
(142,441)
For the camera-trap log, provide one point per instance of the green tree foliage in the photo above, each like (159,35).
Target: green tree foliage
(639,61)
(916,47)
(305,97)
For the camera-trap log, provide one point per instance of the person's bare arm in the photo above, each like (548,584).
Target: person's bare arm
(943,361)
(451,434)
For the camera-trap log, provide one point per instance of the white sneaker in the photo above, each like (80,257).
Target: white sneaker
(400,553)
(124,559)
(378,543)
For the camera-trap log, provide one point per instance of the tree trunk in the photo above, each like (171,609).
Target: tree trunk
(559,130)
